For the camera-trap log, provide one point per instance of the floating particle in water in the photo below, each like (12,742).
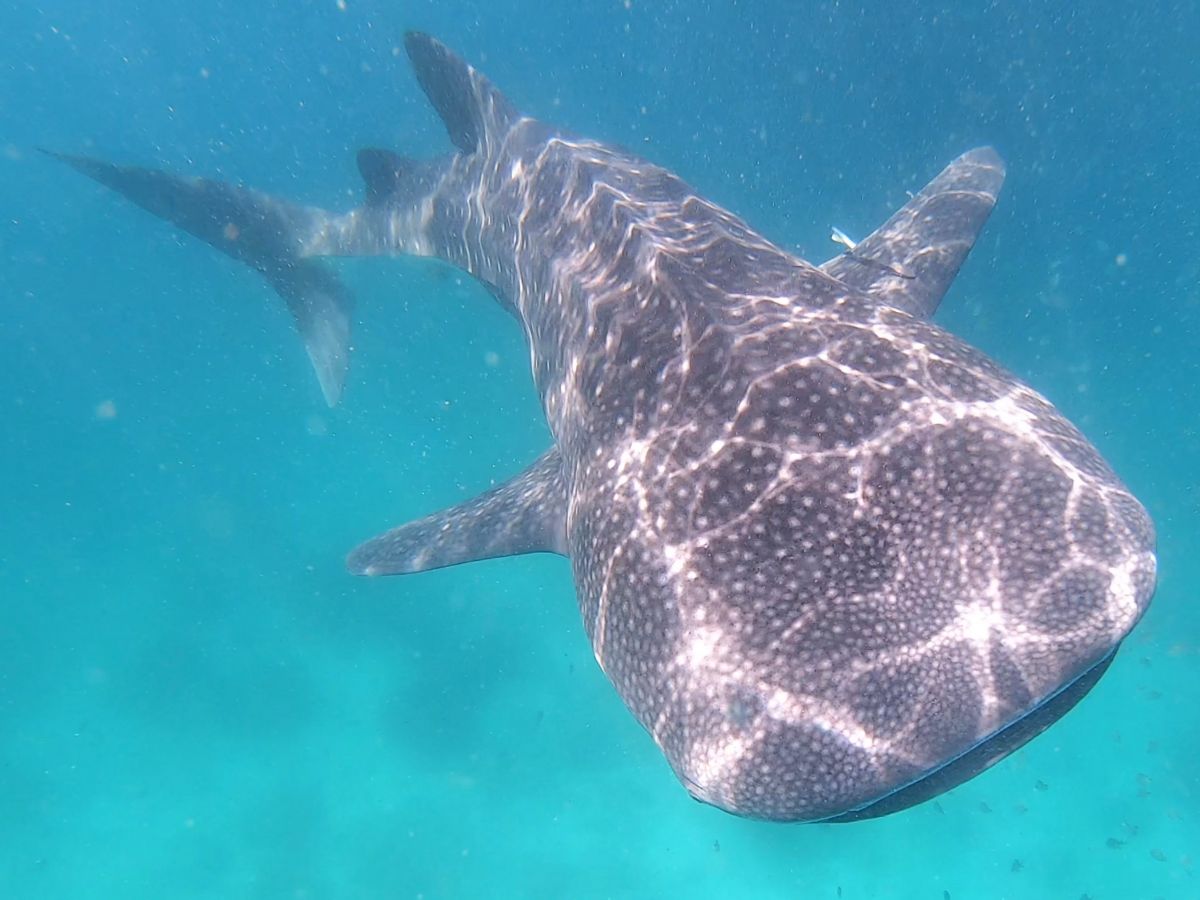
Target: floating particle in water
(1041,785)
(1114,843)
(1143,782)
(1016,866)
(1158,854)
(106,410)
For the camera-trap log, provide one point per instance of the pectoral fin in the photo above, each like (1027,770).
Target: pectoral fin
(910,260)
(524,515)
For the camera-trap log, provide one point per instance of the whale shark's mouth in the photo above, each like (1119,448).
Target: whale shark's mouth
(983,754)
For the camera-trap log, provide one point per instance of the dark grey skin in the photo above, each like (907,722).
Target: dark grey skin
(835,560)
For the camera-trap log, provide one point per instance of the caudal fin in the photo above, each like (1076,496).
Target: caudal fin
(472,109)
(265,233)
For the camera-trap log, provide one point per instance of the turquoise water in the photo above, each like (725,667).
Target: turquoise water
(197,701)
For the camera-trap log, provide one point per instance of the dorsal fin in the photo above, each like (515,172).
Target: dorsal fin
(910,260)
(469,105)
(526,514)
(383,172)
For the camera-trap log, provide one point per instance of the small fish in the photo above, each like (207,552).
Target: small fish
(1158,854)
(1017,865)
(945,895)
(717,849)
(1114,843)
(1020,809)
(984,807)
(1143,781)
(1041,785)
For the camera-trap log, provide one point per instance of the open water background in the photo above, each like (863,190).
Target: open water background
(197,702)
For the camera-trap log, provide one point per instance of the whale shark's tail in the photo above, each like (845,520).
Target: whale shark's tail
(265,233)
(278,238)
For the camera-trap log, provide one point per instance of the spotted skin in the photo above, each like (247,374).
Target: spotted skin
(834,559)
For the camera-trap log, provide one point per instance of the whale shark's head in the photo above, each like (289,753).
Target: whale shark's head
(888,566)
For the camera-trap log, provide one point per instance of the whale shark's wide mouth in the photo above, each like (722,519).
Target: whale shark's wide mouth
(984,753)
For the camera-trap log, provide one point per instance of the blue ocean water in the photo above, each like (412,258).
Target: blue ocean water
(197,701)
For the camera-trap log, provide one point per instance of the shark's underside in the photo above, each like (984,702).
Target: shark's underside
(834,559)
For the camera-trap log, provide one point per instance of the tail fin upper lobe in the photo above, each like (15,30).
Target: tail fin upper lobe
(470,106)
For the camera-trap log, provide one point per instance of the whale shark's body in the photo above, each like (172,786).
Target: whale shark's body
(832,558)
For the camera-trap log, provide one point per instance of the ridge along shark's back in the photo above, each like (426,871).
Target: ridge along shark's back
(834,559)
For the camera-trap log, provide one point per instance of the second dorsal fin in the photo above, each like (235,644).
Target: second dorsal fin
(383,172)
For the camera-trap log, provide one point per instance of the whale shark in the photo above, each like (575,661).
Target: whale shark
(834,559)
